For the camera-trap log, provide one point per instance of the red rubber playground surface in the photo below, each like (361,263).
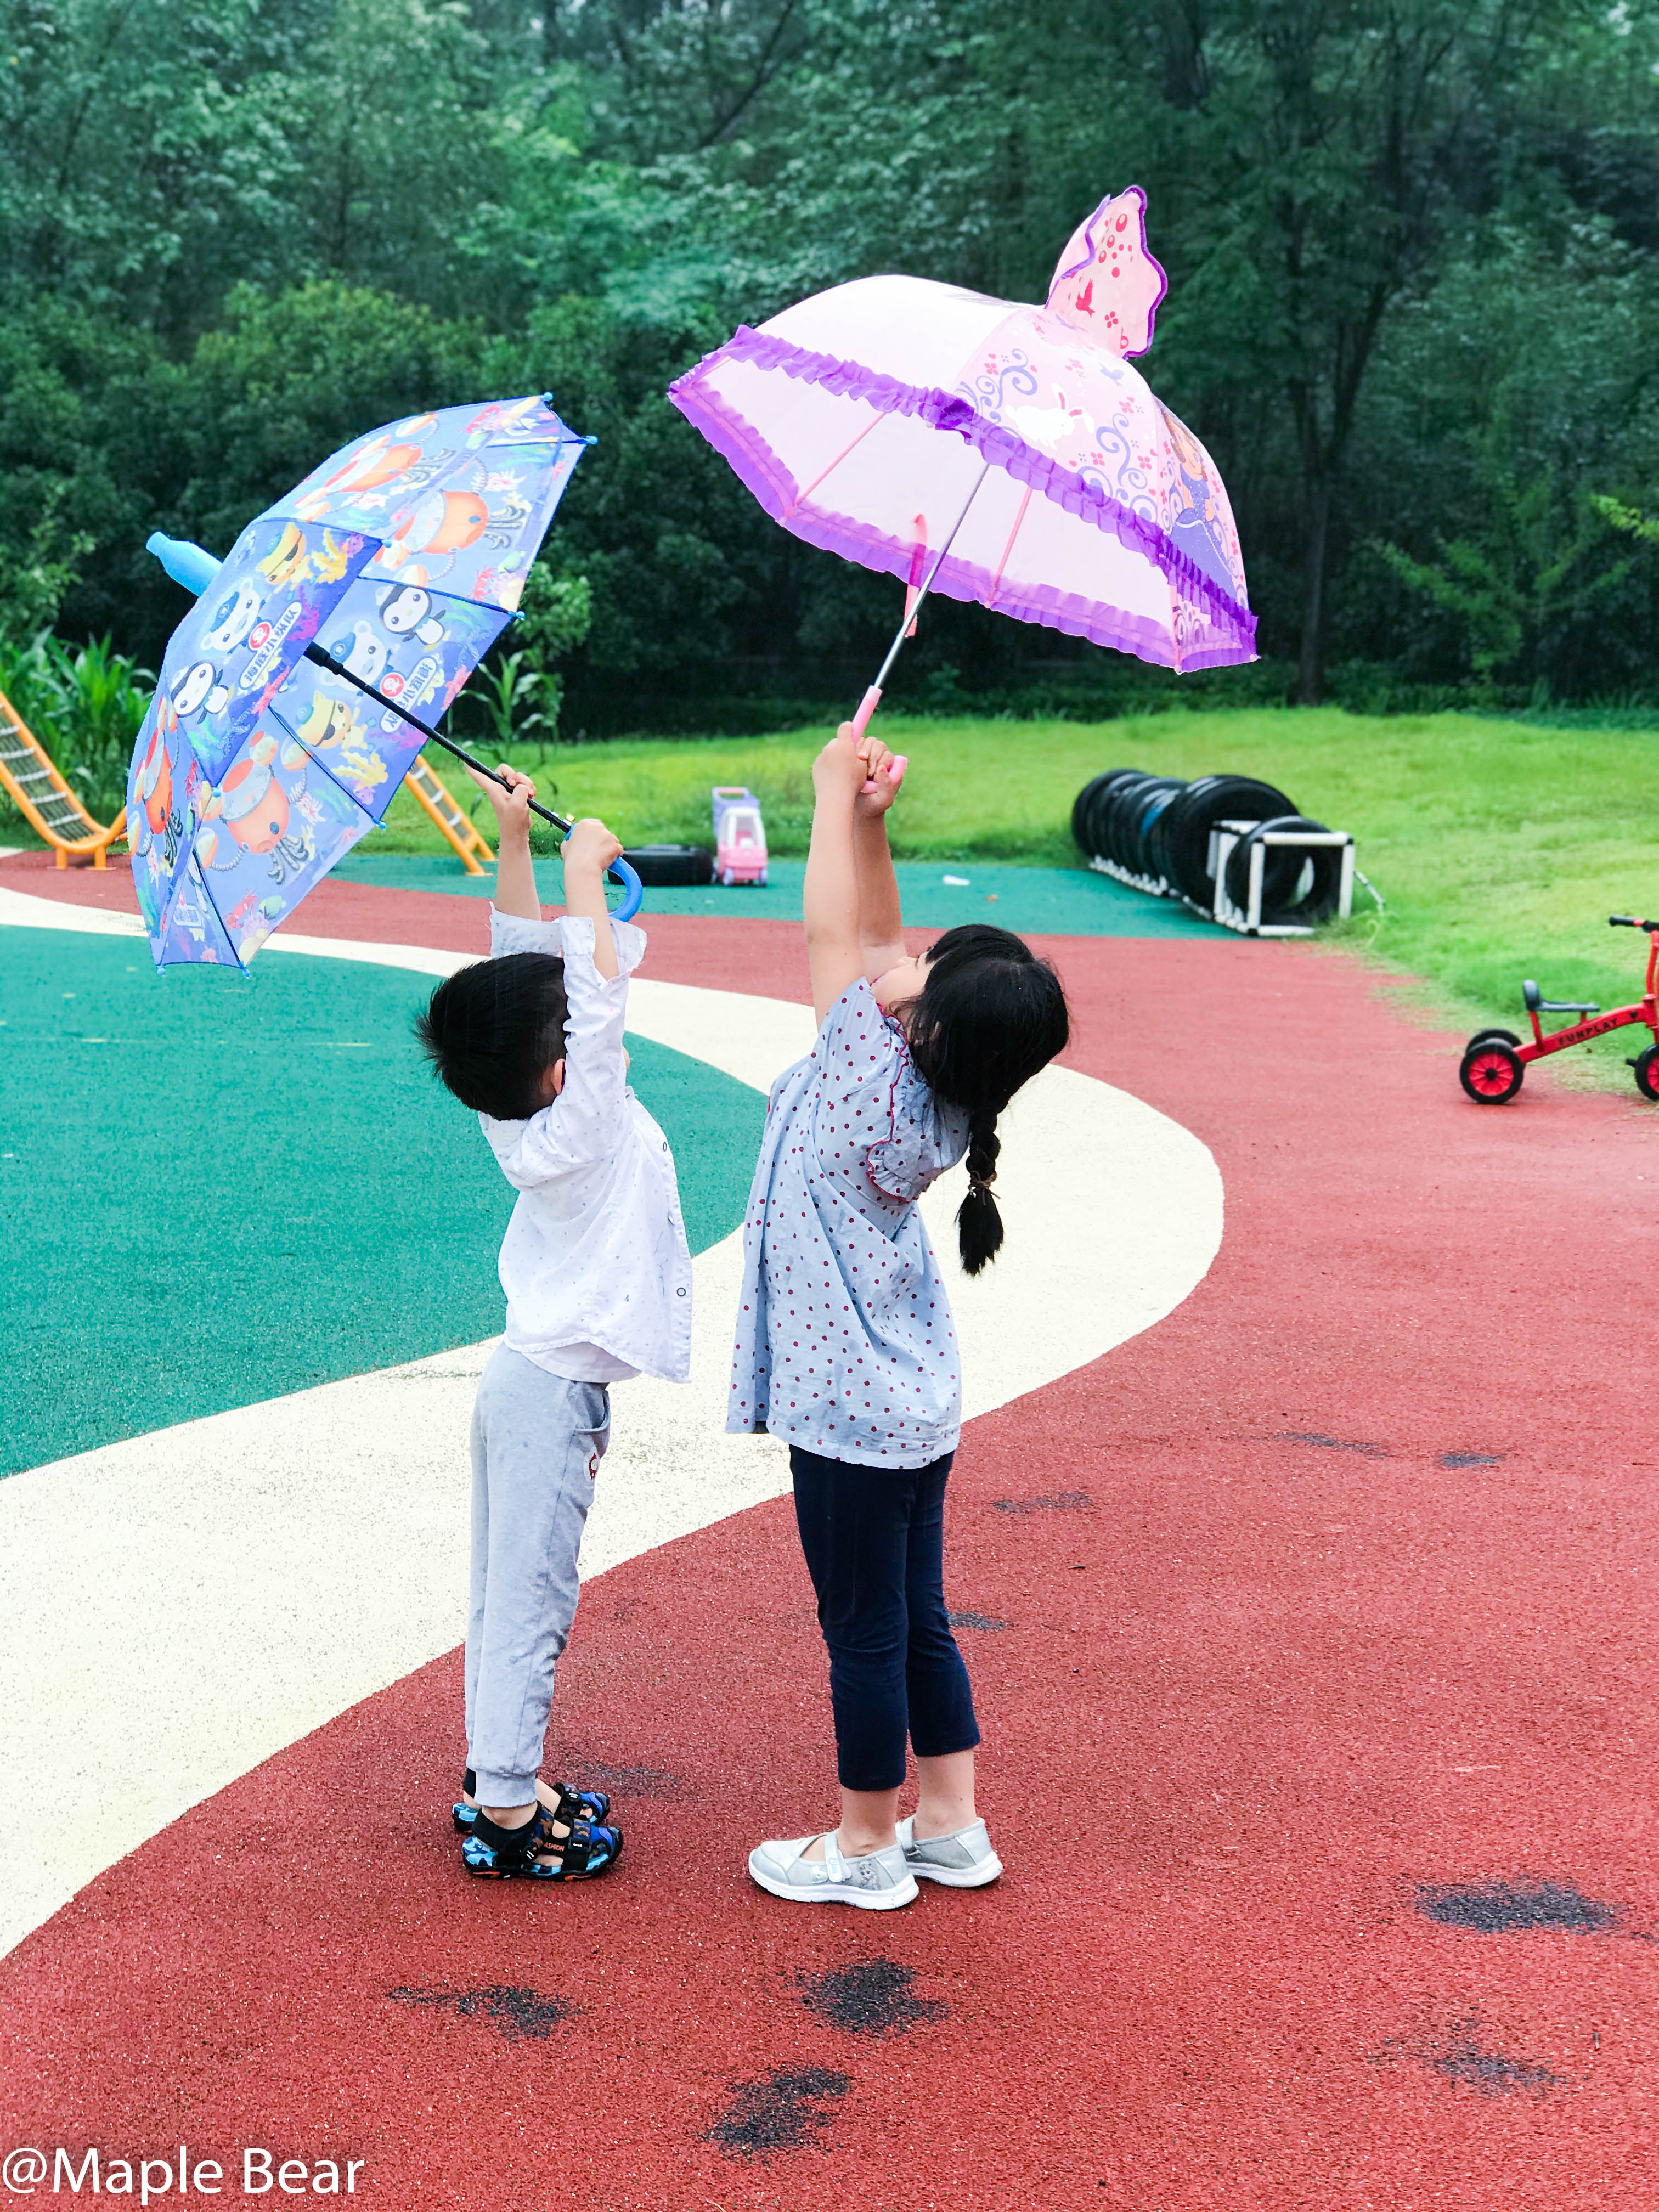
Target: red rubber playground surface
(1313,1647)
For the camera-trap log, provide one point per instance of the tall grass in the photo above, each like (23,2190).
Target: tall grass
(84,704)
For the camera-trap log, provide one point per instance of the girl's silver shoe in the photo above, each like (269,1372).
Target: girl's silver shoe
(962,1860)
(880,1881)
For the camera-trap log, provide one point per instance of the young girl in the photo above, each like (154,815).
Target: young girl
(845,1346)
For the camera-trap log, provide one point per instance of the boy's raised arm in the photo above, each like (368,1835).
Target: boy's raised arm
(515,872)
(586,1115)
(588,852)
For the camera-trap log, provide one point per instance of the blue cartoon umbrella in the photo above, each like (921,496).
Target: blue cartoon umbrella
(296,693)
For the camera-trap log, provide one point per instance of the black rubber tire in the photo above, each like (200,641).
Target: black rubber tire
(1282,902)
(1130,809)
(1484,1036)
(1154,807)
(1108,812)
(1085,808)
(1646,1072)
(1490,1054)
(1080,809)
(1094,819)
(1181,836)
(666,866)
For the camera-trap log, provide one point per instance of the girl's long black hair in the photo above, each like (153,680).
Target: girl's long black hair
(990,1016)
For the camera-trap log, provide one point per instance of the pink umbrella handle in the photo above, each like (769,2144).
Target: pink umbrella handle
(867,706)
(895,774)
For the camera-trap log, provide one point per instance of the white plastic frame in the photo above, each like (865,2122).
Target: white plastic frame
(1225,837)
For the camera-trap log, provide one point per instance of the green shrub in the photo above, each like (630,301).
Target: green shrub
(84,704)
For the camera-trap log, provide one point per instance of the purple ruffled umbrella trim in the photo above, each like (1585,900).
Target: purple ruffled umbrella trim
(769,478)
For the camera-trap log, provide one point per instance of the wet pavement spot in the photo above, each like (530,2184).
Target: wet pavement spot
(870,1997)
(1331,1444)
(1471,1459)
(1063,1501)
(518,2014)
(983,1620)
(1502,1908)
(1460,2055)
(787,2109)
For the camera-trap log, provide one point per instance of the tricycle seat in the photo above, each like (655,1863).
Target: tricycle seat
(1536,1004)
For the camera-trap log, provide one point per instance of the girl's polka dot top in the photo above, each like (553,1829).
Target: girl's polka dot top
(845,1341)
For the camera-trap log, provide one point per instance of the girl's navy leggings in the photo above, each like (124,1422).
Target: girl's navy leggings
(874,1541)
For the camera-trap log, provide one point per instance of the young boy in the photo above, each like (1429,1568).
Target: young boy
(597,1280)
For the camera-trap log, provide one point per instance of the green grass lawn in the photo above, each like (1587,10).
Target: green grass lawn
(1499,847)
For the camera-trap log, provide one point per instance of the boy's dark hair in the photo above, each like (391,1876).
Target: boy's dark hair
(492,1029)
(990,1016)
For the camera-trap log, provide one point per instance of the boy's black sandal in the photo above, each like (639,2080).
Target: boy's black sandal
(497,1854)
(573,1805)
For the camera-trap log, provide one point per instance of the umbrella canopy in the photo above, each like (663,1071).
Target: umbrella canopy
(401,557)
(863,418)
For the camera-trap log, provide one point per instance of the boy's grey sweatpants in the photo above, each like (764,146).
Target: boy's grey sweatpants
(536,1444)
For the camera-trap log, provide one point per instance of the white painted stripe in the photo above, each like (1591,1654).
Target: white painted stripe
(179,1607)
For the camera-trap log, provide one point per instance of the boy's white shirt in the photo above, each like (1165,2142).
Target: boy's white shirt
(595,1264)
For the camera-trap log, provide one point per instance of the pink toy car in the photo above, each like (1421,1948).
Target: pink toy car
(739,839)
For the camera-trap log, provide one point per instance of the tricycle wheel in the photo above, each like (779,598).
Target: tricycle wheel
(1492,1072)
(1485,1036)
(1646,1065)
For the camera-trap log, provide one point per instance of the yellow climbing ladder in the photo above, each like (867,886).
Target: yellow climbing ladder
(450,819)
(41,796)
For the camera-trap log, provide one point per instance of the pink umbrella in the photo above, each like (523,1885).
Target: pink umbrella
(993,451)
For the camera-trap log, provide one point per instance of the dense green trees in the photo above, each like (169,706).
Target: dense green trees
(1414,247)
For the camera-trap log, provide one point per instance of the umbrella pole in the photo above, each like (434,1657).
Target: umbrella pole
(620,871)
(871,698)
(338,668)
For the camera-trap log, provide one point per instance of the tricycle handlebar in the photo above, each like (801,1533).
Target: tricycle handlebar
(1629,922)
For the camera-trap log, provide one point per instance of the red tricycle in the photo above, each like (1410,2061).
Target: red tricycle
(1495,1061)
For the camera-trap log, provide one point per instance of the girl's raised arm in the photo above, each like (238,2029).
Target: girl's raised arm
(881,925)
(831,904)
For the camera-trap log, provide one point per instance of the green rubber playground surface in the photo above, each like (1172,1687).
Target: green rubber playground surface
(1035,902)
(217,1188)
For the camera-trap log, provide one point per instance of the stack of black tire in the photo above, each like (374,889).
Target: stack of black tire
(1154,831)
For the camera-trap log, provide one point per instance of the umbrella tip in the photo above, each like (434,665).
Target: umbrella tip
(187,564)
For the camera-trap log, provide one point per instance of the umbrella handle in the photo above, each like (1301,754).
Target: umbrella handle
(628,875)
(867,706)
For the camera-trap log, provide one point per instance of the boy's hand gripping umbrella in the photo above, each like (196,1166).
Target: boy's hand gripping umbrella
(297,691)
(993,451)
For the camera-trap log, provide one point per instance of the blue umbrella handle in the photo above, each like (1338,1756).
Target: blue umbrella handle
(629,878)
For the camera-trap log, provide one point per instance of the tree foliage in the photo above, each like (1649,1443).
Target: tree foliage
(1414,303)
